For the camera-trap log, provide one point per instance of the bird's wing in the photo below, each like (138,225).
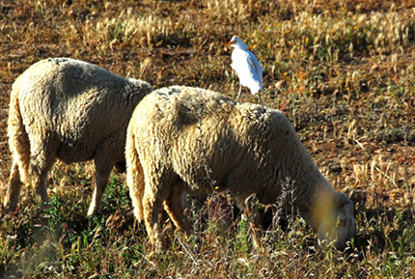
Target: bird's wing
(256,67)
(248,69)
(255,64)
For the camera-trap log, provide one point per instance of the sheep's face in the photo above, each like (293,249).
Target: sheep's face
(340,226)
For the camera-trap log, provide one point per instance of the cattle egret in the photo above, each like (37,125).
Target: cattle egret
(246,66)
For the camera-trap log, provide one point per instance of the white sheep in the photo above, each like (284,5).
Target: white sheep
(198,141)
(70,110)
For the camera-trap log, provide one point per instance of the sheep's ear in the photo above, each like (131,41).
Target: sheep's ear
(344,206)
(342,200)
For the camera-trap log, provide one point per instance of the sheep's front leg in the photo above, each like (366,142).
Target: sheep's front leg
(104,162)
(249,207)
(101,179)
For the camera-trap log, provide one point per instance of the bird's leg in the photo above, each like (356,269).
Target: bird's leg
(239,93)
(259,95)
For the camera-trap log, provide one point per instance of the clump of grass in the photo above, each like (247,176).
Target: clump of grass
(344,72)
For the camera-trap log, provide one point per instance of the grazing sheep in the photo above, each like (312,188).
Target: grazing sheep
(70,110)
(193,140)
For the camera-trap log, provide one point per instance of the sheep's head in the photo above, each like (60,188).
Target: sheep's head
(338,225)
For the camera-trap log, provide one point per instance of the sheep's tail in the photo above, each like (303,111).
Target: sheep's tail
(135,177)
(19,145)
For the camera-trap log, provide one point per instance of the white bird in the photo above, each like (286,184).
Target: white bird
(246,66)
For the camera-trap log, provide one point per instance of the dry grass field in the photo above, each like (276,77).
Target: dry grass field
(343,71)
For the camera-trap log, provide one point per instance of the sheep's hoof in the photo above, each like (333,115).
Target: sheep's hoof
(7,215)
(6,210)
(10,206)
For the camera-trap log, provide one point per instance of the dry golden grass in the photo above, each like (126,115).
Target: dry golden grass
(342,70)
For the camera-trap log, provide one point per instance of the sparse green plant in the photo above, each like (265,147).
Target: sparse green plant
(342,71)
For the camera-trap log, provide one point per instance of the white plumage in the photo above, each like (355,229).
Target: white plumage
(246,66)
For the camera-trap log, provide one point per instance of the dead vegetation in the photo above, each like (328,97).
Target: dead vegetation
(342,70)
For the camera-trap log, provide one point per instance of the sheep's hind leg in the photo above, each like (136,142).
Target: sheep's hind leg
(15,185)
(152,204)
(158,188)
(42,160)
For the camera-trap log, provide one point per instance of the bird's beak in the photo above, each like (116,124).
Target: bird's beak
(230,43)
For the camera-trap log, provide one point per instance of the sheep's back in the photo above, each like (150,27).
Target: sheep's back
(192,130)
(78,104)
